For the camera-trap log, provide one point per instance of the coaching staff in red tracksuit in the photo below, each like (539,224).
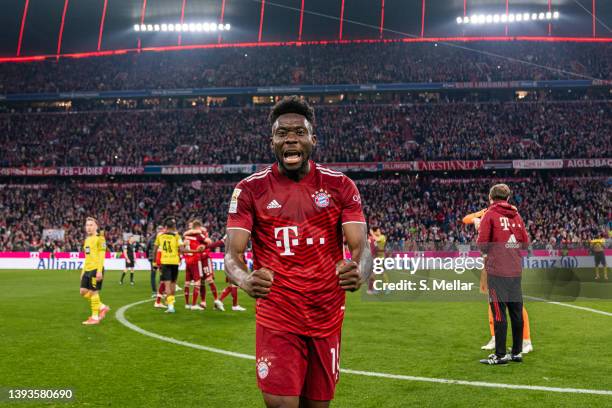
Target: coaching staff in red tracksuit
(501,237)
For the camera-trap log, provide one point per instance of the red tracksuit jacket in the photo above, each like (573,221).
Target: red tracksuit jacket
(502,235)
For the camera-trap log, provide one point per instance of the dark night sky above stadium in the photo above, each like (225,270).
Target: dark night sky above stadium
(281,21)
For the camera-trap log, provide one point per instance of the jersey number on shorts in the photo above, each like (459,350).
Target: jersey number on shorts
(335,353)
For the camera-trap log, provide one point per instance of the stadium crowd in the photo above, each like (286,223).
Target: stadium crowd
(414,212)
(312,64)
(484,131)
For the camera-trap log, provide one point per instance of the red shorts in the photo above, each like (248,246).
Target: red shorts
(208,271)
(193,271)
(293,365)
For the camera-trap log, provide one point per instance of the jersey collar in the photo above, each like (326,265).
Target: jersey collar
(286,179)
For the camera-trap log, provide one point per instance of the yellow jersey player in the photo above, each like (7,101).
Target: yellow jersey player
(170,245)
(378,242)
(474,218)
(598,246)
(93,271)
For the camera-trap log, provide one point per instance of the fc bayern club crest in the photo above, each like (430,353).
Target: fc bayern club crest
(321,198)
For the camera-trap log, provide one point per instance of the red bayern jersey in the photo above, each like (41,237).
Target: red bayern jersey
(296,231)
(194,241)
(209,248)
(502,234)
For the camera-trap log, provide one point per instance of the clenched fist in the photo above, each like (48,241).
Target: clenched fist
(348,275)
(259,283)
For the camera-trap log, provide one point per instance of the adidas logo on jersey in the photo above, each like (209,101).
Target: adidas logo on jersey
(512,243)
(273,204)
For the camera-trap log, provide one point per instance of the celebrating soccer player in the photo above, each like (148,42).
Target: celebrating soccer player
(195,240)
(93,269)
(501,236)
(209,275)
(295,212)
(170,246)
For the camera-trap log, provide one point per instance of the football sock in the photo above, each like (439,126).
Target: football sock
(526,329)
(196,293)
(122,277)
(186,290)
(213,290)
(170,301)
(225,292)
(491,327)
(234,296)
(160,292)
(203,292)
(132,277)
(95,306)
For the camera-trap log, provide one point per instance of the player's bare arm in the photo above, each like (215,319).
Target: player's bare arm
(353,273)
(256,284)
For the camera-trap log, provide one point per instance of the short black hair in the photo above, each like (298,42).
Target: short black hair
(292,104)
(170,222)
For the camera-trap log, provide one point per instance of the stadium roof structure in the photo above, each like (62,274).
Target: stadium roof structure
(39,29)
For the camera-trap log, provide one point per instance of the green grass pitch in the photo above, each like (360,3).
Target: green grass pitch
(45,346)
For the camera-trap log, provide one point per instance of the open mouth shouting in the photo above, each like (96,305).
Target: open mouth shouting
(292,157)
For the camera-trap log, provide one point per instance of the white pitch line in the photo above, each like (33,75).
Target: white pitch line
(120,315)
(588,309)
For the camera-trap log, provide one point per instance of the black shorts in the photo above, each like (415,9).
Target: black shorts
(89,282)
(169,273)
(600,259)
(129,263)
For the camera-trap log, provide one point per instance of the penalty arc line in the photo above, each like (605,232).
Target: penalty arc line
(120,316)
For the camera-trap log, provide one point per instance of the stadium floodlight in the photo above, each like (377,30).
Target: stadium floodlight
(183,27)
(503,18)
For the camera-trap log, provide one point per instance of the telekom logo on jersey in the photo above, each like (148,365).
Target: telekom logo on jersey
(287,237)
